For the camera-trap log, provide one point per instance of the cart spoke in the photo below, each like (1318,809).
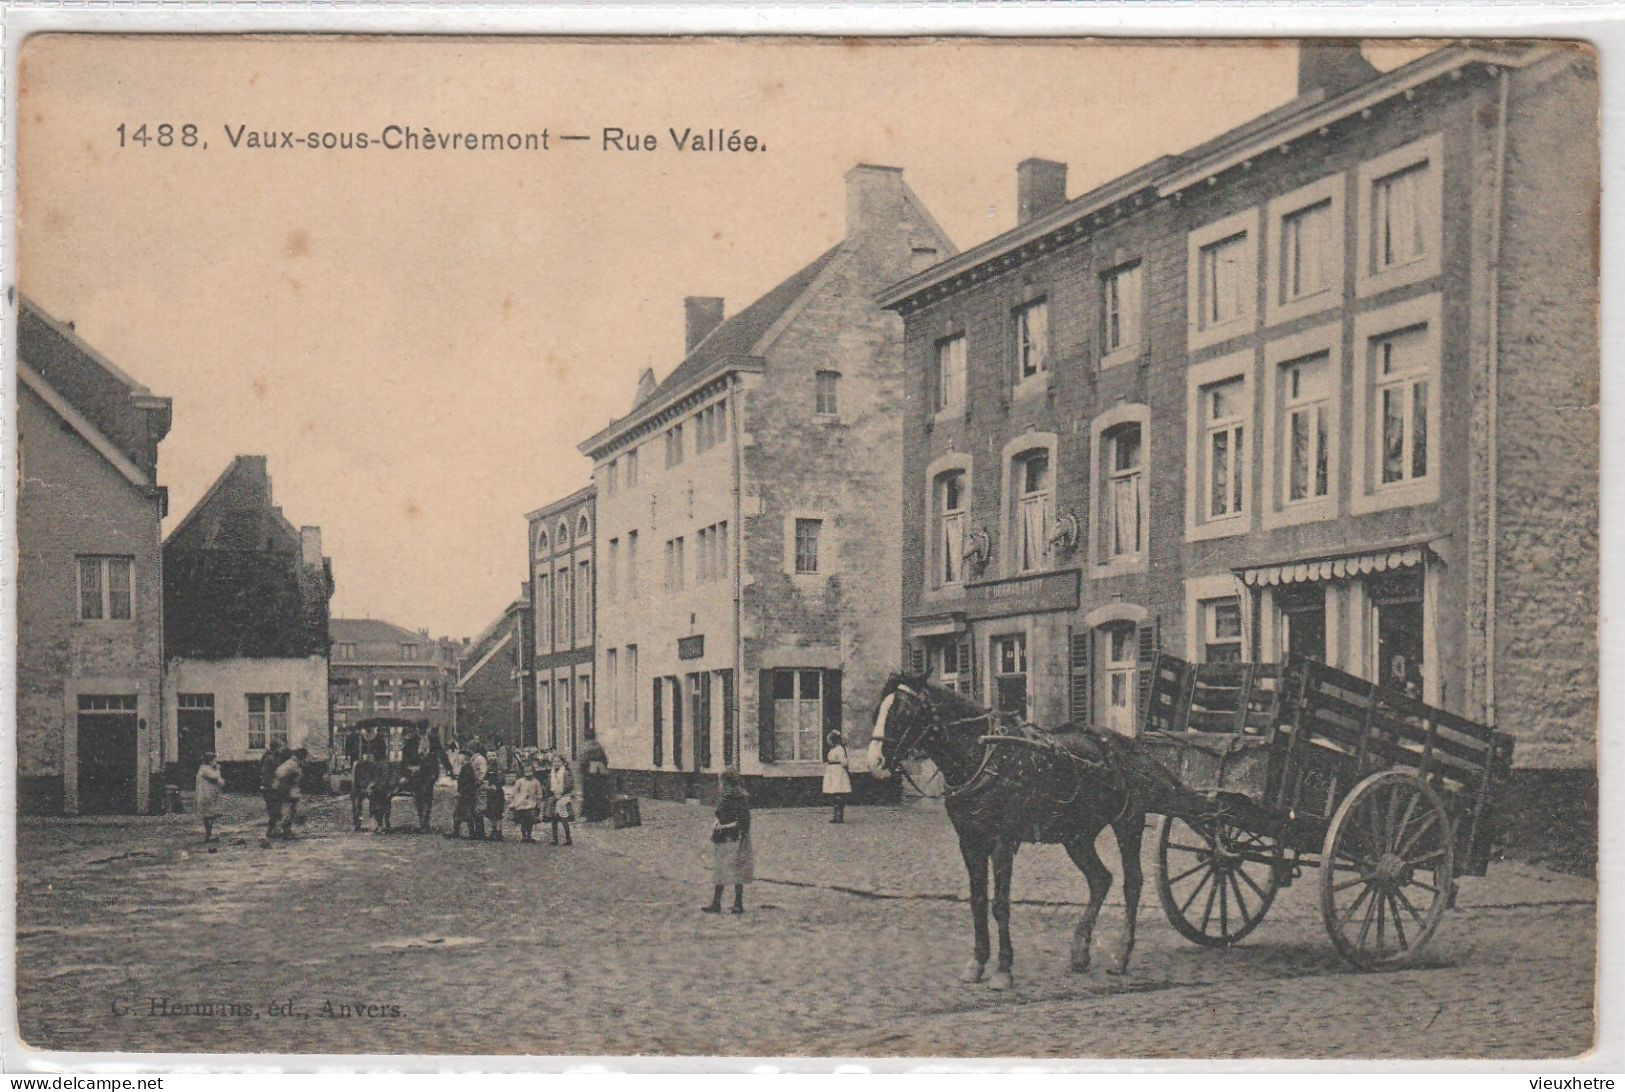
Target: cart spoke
(1224,909)
(1399,928)
(1241,903)
(1365,926)
(1405,822)
(1434,856)
(1190,849)
(1195,891)
(1390,819)
(1364,877)
(1429,888)
(1259,891)
(1354,907)
(1421,923)
(1188,872)
(1207,910)
(1415,835)
(1382,912)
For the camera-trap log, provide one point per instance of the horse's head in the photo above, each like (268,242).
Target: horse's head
(902,721)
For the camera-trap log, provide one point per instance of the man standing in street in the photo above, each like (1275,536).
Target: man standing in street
(269,762)
(286,790)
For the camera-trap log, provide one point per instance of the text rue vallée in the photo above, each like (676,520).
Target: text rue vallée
(244,137)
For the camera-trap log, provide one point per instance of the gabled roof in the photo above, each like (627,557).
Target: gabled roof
(362,630)
(553,508)
(733,341)
(237,513)
(106,405)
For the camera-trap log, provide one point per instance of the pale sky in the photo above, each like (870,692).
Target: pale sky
(418,340)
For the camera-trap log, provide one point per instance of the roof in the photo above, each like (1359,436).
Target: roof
(374,630)
(236,512)
(553,508)
(733,341)
(1172,173)
(123,412)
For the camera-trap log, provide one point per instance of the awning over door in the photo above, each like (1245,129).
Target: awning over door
(1333,568)
(940,625)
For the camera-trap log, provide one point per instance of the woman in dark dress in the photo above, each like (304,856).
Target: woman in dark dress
(733,858)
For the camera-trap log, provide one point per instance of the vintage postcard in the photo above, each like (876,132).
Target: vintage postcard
(589,546)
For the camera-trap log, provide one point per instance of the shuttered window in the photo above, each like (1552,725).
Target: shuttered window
(1079,677)
(659,728)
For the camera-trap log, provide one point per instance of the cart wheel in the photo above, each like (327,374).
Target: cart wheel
(1386,870)
(1215,880)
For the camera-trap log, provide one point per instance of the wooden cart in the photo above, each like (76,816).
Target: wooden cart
(1299,764)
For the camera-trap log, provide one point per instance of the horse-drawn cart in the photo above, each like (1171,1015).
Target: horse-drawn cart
(1302,765)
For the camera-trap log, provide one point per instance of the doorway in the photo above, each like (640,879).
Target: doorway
(194,724)
(107,749)
(1010,674)
(1303,617)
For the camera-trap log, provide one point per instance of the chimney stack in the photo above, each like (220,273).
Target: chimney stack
(701,315)
(310,545)
(1040,187)
(1331,66)
(874,199)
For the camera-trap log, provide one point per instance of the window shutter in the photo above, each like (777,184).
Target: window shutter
(972,680)
(764,718)
(676,722)
(1150,643)
(1081,677)
(832,708)
(916,660)
(702,730)
(659,718)
(730,744)
(966,686)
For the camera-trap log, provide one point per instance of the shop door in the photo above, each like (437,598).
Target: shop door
(1010,674)
(1398,607)
(107,735)
(1121,675)
(194,724)
(1303,611)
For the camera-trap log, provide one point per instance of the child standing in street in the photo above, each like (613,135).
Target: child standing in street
(467,812)
(837,782)
(527,801)
(561,787)
(211,791)
(733,858)
(495,804)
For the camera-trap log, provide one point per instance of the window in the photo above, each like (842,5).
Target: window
(544,612)
(564,612)
(675,570)
(562,539)
(1119,648)
(411,694)
(383,694)
(1010,674)
(584,601)
(1397,405)
(267,720)
(632,467)
(1400,206)
(948,569)
(631,564)
(1225,448)
(1223,276)
(1124,494)
(344,650)
(712,560)
(612,684)
(1034,511)
(612,575)
(710,426)
(630,707)
(1120,314)
(949,393)
(409,652)
(674,446)
(611,476)
(1032,340)
(807,532)
(1306,393)
(544,712)
(798,715)
(826,385)
(583,532)
(1305,251)
(541,544)
(1221,630)
(106,588)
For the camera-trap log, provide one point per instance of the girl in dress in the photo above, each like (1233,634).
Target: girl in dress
(837,782)
(211,791)
(733,858)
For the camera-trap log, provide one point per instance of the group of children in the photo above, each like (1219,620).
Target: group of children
(481,799)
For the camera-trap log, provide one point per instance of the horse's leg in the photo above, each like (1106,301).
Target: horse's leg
(975,854)
(1130,829)
(355,804)
(1004,863)
(1083,854)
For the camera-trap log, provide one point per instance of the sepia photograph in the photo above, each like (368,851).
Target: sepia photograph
(889,548)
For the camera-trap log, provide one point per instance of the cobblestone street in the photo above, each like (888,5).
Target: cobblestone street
(851,946)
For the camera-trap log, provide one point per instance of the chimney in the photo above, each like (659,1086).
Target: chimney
(874,199)
(310,545)
(646,387)
(1331,66)
(1040,187)
(701,315)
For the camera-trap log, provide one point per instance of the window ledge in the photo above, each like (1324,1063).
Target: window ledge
(1327,299)
(1303,512)
(1133,563)
(1222,527)
(1126,355)
(1031,387)
(1199,337)
(948,415)
(1408,495)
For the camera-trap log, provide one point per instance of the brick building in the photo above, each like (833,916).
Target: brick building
(246,598)
(1326,383)
(564,591)
(90,614)
(495,701)
(379,669)
(748,521)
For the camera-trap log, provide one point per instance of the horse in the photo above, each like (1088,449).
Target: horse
(420,780)
(363,776)
(1007,785)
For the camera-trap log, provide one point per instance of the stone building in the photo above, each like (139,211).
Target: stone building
(379,669)
(246,598)
(1326,384)
(564,593)
(89,590)
(748,511)
(495,701)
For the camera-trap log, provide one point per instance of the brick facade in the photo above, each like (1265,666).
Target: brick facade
(494,696)
(1386,570)
(564,586)
(89,687)
(379,669)
(768,549)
